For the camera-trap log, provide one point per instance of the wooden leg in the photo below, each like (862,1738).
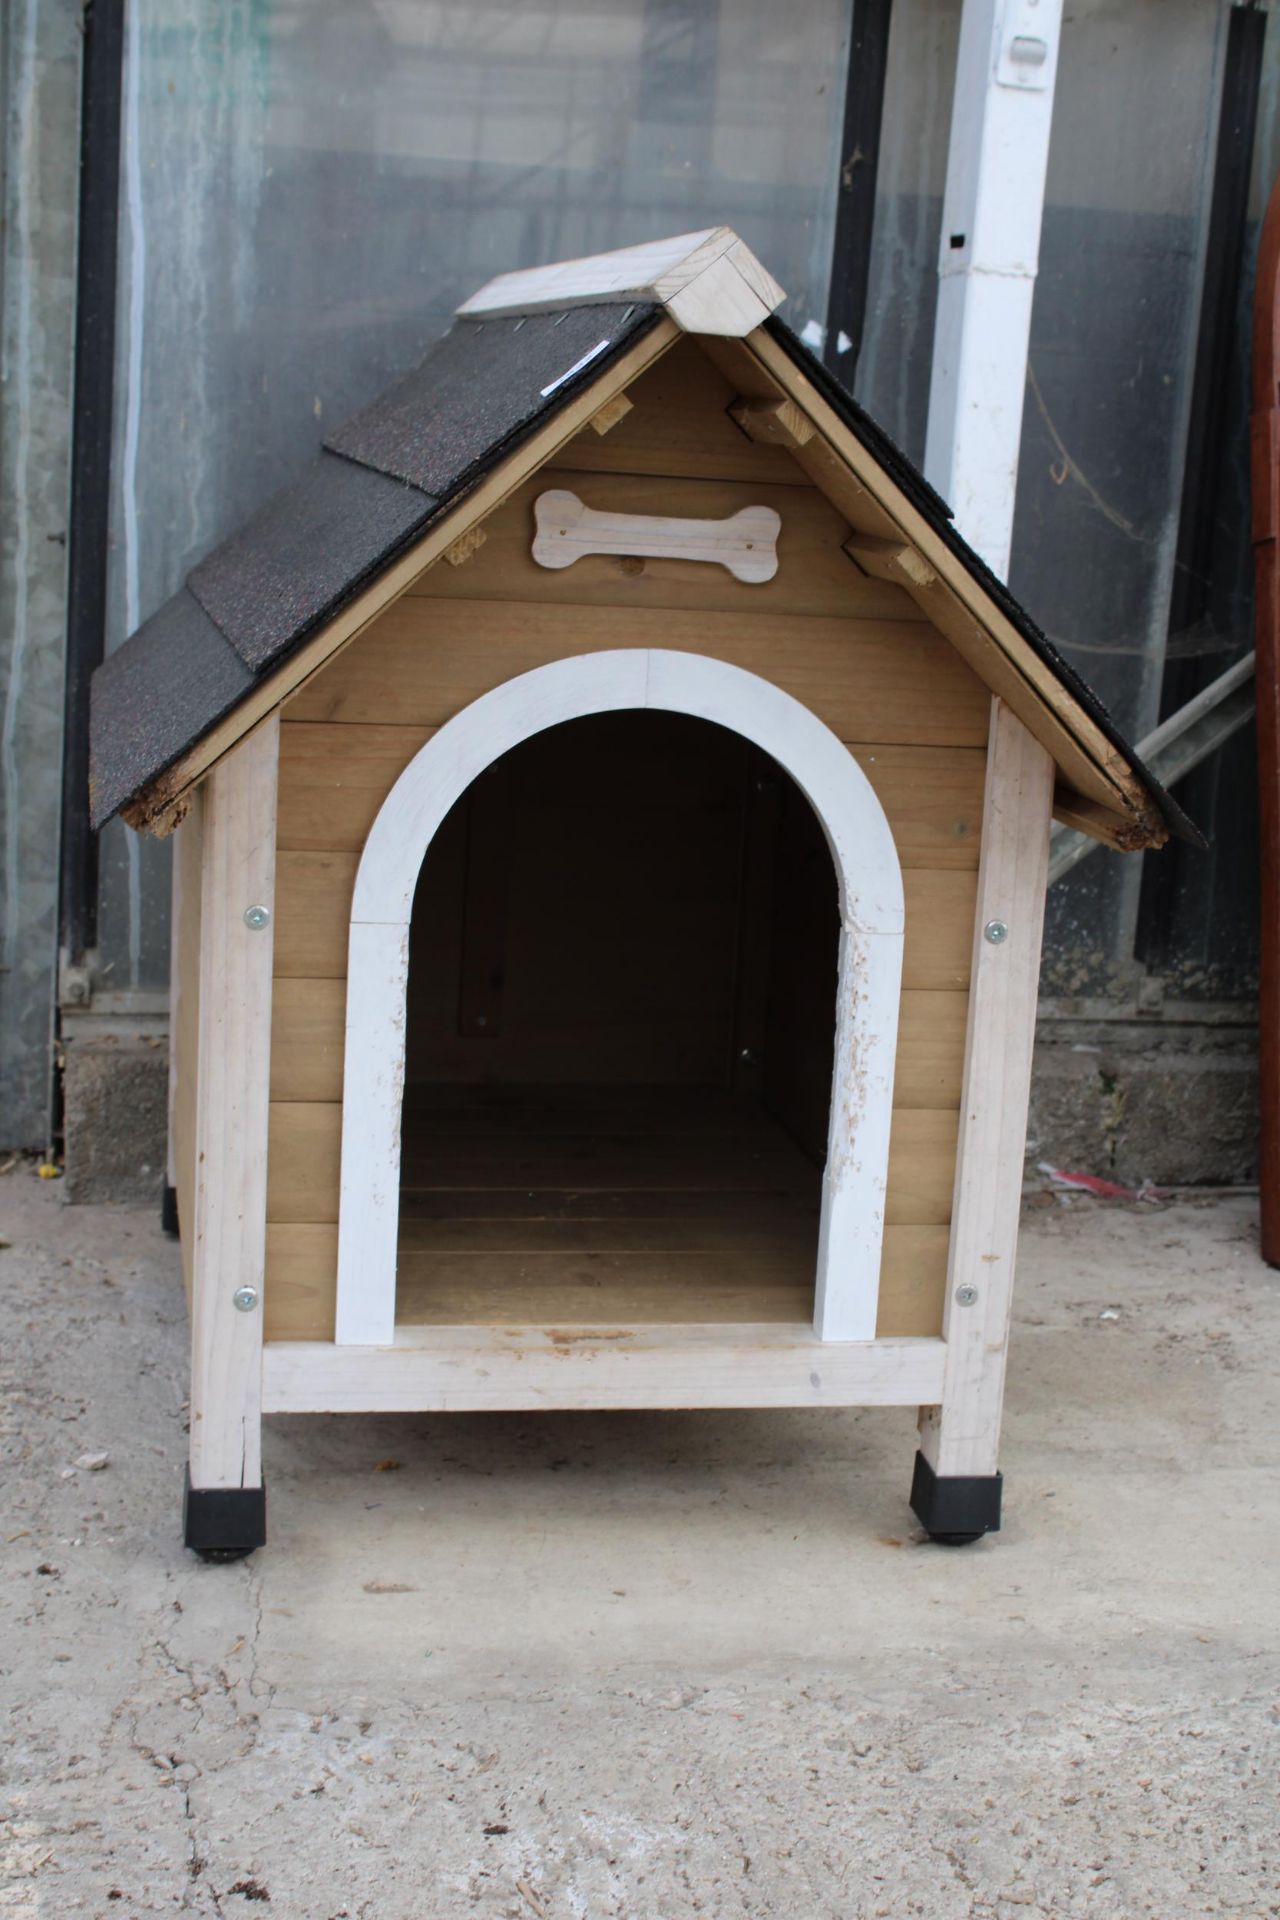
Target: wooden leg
(956,1493)
(225,1507)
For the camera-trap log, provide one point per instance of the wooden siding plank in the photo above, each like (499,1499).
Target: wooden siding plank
(678,423)
(333,778)
(314,910)
(939,919)
(930,1063)
(302,1267)
(933,798)
(332,785)
(814,574)
(306,1146)
(889,682)
(308,1030)
(309,1025)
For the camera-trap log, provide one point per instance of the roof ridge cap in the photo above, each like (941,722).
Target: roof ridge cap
(708,281)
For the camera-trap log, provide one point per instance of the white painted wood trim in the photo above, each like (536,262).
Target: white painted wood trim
(961,1435)
(993,204)
(709,282)
(175,1007)
(871,904)
(234,1067)
(746,543)
(480,1369)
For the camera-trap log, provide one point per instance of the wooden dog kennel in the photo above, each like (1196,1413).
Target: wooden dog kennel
(612,809)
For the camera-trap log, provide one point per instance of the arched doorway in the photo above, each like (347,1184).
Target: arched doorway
(650,1030)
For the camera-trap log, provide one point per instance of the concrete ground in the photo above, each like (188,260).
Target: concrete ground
(652,1665)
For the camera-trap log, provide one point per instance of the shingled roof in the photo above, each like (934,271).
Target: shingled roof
(524,350)
(378,484)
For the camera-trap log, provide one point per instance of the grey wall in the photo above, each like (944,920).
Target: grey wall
(310,189)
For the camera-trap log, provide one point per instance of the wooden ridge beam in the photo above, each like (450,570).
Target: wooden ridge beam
(709,282)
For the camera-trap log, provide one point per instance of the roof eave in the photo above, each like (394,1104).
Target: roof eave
(1115,799)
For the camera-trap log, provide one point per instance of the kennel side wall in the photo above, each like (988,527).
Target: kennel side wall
(857,651)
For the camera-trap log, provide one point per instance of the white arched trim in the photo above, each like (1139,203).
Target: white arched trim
(870,968)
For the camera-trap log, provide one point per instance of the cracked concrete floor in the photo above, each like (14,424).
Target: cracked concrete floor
(652,1665)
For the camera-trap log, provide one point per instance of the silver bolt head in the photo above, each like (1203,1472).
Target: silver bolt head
(245,1299)
(966,1296)
(995,931)
(257,918)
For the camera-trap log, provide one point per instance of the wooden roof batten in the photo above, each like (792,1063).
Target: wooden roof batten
(710,285)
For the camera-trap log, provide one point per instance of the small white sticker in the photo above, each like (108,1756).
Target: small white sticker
(577,367)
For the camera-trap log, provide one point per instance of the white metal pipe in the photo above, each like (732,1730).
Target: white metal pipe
(1005,72)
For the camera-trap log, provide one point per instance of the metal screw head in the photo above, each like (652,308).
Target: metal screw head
(245,1299)
(257,918)
(966,1296)
(995,931)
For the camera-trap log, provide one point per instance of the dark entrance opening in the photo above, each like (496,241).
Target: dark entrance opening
(623,963)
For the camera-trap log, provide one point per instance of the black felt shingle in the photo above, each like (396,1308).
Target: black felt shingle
(478,387)
(154,697)
(304,554)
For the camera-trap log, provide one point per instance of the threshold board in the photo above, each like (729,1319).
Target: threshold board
(490,1369)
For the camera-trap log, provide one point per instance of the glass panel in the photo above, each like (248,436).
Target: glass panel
(310,189)
(1112,353)
(1199,922)
(897,347)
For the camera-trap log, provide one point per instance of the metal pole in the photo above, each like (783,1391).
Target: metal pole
(90,459)
(1265,434)
(856,195)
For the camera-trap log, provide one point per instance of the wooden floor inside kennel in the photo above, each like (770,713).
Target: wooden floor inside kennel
(610,1246)
(602,1206)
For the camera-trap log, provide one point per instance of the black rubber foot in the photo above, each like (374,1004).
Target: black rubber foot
(169,1210)
(958,1508)
(224,1523)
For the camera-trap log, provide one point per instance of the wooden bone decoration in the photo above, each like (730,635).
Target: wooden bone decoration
(567,530)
